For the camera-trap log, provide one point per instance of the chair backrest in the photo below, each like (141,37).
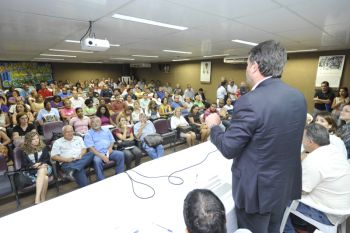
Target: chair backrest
(5,183)
(3,165)
(51,127)
(17,158)
(162,126)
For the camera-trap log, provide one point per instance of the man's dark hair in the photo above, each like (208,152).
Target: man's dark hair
(317,133)
(326,83)
(270,57)
(204,212)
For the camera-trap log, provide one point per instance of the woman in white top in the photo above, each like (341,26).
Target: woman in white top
(325,119)
(340,101)
(179,123)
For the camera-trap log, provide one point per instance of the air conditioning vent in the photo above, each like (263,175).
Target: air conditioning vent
(140,65)
(235,60)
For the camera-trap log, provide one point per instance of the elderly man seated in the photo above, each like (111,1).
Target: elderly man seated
(143,128)
(70,152)
(100,142)
(325,177)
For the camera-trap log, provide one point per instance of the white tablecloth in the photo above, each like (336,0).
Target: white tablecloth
(111,206)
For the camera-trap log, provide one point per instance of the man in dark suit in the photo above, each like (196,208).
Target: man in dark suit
(264,139)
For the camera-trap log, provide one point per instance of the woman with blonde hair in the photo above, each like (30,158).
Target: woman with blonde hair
(36,159)
(179,123)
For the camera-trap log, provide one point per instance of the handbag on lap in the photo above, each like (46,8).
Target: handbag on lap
(153,140)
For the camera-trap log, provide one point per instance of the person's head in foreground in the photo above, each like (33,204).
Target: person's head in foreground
(204,212)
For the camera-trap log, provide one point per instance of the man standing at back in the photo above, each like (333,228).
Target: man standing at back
(264,138)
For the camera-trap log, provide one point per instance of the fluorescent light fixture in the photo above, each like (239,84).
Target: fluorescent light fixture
(122,58)
(217,55)
(73,41)
(302,50)
(70,51)
(146,21)
(176,51)
(245,42)
(48,58)
(98,62)
(114,45)
(56,55)
(138,55)
(184,59)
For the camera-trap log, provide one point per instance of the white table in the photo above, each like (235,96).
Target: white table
(110,205)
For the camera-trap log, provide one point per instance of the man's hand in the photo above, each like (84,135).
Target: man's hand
(212,120)
(105,159)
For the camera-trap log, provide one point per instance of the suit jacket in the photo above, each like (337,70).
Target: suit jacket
(264,138)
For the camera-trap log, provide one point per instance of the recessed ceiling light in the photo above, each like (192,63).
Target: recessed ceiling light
(72,41)
(185,59)
(48,58)
(176,51)
(146,21)
(302,50)
(70,51)
(245,42)
(56,55)
(217,55)
(122,58)
(114,45)
(138,55)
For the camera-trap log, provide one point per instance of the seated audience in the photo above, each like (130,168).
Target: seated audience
(4,139)
(56,102)
(76,101)
(64,94)
(21,129)
(344,131)
(198,101)
(4,120)
(143,128)
(135,115)
(204,212)
(37,104)
(47,114)
(212,109)
(118,105)
(19,109)
(100,142)
(127,143)
(144,102)
(165,109)
(229,106)
(129,101)
(198,124)
(104,115)
(36,161)
(44,91)
(179,123)
(325,177)
(127,113)
(80,122)
(70,151)
(326,120)
(188,104)
(152,111)
(3,104)
(89,109)
(67,112)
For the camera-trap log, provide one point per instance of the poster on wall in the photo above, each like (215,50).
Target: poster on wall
(18,73)
(205,71)
(330,68)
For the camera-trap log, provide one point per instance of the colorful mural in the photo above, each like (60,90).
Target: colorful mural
(17,73)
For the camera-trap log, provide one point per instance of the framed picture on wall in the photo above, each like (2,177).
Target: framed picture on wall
(330,68)
(205,71)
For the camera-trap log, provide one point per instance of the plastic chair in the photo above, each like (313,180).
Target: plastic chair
(322,227)
(5,182)
(17,163)
(49,129)
(163,128)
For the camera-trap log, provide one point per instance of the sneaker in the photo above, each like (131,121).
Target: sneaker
(70,175)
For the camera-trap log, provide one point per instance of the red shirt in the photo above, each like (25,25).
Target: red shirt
(45,93)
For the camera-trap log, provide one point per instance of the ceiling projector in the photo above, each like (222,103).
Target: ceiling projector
(93,44)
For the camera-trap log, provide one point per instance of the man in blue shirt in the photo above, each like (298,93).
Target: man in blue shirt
(100,141)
